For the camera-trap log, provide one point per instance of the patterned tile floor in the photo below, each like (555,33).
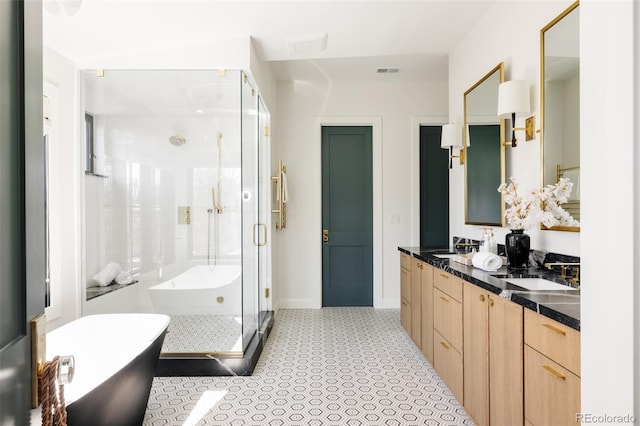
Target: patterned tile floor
(330,366)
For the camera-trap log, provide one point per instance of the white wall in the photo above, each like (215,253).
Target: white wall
(610,204)
(607,162)
(302,106)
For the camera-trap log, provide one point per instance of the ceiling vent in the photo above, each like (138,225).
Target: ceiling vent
(307,44)
(387,70)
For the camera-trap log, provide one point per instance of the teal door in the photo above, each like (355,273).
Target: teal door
(434,189)
(347,216)
(22,257)
(484,173)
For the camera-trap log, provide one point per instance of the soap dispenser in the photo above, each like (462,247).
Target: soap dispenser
(484,247)
(493,245)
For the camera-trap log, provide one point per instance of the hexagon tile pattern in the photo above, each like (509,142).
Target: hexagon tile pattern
(329,366)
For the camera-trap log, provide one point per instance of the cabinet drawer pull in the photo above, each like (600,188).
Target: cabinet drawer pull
(490,302)
(556,329)
(444,276)
(444,298)
(420,265)
(556,374)
(444,345)
(482,297)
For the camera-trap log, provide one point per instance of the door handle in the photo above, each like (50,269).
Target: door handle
(257,241)
(325,236)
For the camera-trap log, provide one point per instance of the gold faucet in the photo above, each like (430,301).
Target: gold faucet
(466,246)
(568,271)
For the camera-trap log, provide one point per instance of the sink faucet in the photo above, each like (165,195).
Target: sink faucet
(568,271)
(466,247)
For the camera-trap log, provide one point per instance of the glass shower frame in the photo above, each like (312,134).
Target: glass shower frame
(251,202)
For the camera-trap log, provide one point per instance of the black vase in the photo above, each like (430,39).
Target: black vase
(517,245)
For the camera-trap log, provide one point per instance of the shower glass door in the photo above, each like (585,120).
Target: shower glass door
(264,212)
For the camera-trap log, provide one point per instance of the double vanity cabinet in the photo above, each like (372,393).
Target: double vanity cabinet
(506,363)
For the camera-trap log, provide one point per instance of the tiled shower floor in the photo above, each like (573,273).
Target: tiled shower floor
(203,333)
(330,366)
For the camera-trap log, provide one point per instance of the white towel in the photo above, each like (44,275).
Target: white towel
(106,276)
(487,261)
(285,188)
(124,278)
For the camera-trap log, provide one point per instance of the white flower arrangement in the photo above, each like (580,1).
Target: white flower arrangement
(537,206)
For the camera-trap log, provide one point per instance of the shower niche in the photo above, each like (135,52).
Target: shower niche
(176,207)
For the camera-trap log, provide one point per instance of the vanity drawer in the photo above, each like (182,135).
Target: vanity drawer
(447,318)
(553,339)
(405,261)
(447,361)
(405,284)
(552,393)
(448,283)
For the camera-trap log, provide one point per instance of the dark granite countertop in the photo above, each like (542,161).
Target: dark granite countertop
(560,305)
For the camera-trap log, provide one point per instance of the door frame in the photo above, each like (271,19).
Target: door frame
(375,122)
(416,122)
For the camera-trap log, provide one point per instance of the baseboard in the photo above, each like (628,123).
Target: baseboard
(298,304)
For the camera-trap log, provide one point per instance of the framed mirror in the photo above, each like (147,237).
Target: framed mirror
(560,106)
(484,151)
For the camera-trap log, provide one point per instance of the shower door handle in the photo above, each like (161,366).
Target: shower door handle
(256,237)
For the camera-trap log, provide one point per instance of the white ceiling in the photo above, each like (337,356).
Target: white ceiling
(414,36)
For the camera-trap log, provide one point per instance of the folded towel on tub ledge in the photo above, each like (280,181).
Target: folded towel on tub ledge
(124,277)
(107,275)
(487,261)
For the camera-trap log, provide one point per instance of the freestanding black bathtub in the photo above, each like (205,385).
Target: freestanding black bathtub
(115,361)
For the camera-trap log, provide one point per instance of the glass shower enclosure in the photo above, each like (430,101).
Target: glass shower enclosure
(176,204)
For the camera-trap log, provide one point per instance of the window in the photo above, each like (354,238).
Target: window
(89,144)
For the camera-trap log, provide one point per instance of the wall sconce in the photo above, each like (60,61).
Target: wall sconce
(452,138)
(513,98)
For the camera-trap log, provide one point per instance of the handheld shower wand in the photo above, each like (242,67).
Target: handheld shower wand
(217,202)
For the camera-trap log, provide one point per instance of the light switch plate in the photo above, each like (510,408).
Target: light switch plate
(184,215)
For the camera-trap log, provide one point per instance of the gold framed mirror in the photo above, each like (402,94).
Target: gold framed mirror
(560,106)
(484,166)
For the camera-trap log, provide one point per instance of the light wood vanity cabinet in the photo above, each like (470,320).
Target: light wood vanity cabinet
(405,292)
(552,371)
(506,364)
(447,335)
(416,301)
(427,310)
(493,358)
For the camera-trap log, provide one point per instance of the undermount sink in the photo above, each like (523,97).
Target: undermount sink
(537,284)
(445,255)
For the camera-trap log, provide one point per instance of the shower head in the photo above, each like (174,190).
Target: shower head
(177,140)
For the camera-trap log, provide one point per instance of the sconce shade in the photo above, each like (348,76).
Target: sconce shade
(451,136)
(513,98)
